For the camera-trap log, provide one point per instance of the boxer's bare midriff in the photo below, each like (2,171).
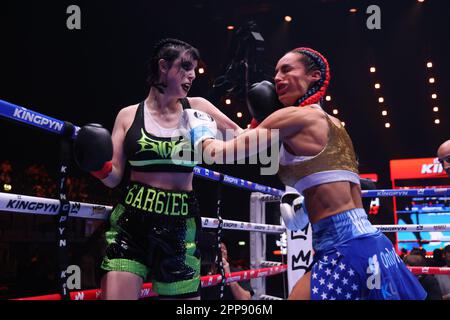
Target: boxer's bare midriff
(331,198)
(165,180)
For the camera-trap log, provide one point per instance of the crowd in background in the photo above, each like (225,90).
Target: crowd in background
(37,180)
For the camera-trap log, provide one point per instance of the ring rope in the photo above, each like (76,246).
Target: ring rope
(35,205)
(430,270)
(146,291)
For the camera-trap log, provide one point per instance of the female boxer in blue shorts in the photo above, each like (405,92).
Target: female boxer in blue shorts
(353,260)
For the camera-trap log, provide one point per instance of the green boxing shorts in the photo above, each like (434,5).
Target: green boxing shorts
(154,234)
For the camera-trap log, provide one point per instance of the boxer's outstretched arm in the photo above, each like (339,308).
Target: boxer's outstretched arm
(279,125)
(245,145)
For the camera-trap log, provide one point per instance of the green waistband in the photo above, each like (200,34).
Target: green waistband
(165,202)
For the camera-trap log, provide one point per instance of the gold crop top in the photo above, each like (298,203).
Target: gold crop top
(336,162)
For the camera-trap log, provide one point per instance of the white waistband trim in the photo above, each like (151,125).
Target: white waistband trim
(318,178)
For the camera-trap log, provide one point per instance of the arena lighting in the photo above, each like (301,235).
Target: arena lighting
(421,1)
(435,109)
(241,243)
(431,80)
(429,64)
(335,111)
(434,96)
(328,98)
(384,113)
(380,99)
(387,125)
(288,18)
(230,27)
(343,123)
(201,70)
(372,69)
(227,101)
(246,52)
(437,121)
(239,114)
(353,10)
(7,187)
(377,86)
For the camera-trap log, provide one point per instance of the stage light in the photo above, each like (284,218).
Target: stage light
(437,121)
(230,27)
(372,69)
(435,109)
(201,70)
(380,99)
(377,86)
(431,80)
(434,96)
(335,111)
(353,10)
(328,98)
(429,64)
(387,125)
(288,18)
(384,113)
(343,123)
(239,114)
(227,101)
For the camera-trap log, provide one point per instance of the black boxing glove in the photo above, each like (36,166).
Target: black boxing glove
(263,100)
(93,150)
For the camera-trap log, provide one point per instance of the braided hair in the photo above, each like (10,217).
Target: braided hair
(313,60)
(169,50)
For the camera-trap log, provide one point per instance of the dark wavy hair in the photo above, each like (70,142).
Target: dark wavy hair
(168,49)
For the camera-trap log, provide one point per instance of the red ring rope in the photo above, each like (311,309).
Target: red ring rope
(146,291)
